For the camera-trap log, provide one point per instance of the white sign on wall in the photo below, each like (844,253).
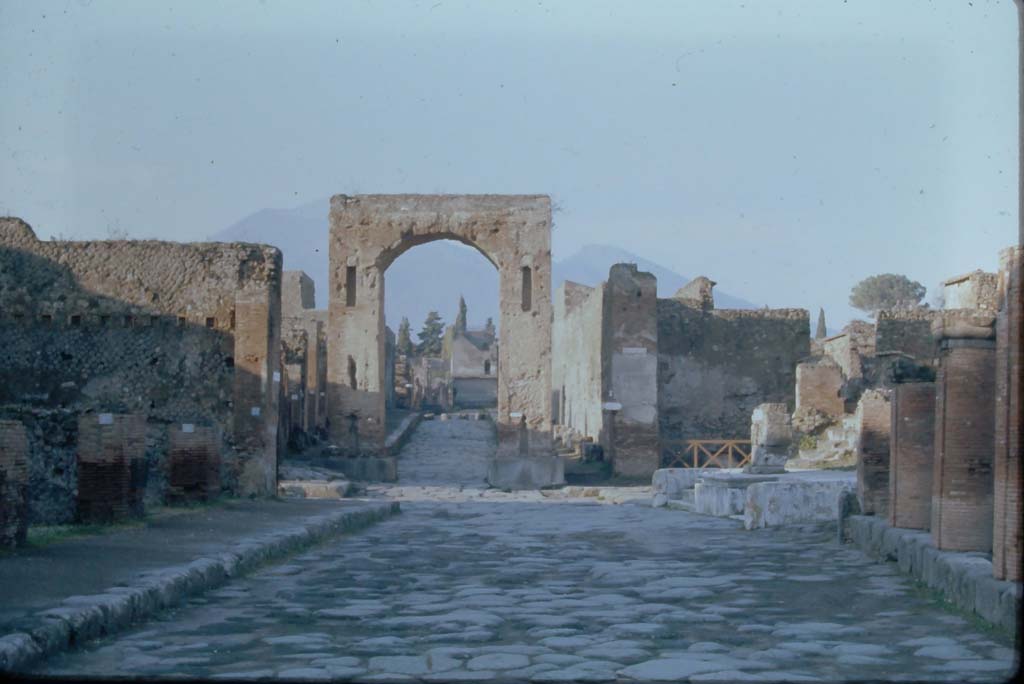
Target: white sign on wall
(255,410)
(188,427)
(106,419)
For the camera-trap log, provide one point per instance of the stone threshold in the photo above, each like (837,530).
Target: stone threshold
(82,618)
(964,579)
(400,435)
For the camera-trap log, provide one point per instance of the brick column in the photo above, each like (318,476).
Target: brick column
(193,463)
(911,454)
(873,418)
(962,503)
(1007,546)
(111,459)
(13,483)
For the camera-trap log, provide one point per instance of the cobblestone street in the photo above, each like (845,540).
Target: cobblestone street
(466,584)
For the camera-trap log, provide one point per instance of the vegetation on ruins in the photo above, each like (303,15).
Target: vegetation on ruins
(403,344)
(886,291)
(431,335)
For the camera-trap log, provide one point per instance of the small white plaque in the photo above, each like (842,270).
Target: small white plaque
(611,406)
(255,410)
(188,428)
(515,414)
(295,397)
(634,351)
(106,419)
(277,377)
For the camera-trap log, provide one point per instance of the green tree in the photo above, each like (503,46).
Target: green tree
(460,319)
(822,332)
(403,344)
(431,335)
(886,291)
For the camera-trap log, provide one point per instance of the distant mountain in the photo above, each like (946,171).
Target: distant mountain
(434,275)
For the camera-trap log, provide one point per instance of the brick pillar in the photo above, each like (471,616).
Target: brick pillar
(13,483)
(111,459)
(1007,546)
(257,386)
(193,463)
(911,454)
(962,497)
(873,417)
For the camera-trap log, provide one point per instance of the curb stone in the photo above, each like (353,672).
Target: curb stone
(82,618)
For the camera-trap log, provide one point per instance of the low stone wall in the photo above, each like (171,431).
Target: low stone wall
(964,578)
(793,502)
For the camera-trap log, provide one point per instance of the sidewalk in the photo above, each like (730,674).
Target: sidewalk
(68,591)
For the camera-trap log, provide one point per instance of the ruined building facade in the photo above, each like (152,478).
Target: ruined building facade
(642,375)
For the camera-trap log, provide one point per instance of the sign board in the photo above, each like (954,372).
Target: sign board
(255,410)
(106,419)
(188,428)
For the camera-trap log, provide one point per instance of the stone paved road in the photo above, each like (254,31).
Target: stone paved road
(476,588)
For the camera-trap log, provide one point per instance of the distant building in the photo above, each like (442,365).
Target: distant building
(474,369)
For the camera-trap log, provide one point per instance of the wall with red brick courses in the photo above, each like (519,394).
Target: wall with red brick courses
(962,497)
(1007,546)
(111,456)
(873,416)
(193,463)
(911,454)
(14,478)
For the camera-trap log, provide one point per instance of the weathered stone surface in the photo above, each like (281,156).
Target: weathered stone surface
(770,438)
(368,233)
(788,502)
(874,416)
(912,455)
(14,479)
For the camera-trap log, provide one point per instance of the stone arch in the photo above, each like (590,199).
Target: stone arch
(368,232)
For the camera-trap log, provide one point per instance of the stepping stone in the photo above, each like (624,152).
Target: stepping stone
(498,661)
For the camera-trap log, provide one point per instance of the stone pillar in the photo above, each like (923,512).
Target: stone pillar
(873,419)
(770,439)
(911,454)
(111,459)
(630,369)
(962,497)
(1007,546)
(13,483)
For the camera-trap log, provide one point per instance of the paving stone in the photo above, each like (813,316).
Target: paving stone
(498,661)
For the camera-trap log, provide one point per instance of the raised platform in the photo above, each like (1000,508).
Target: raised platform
(526,472)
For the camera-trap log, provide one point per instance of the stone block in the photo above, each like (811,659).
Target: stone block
(516,472)
(670,482)
(790,502)
(771,439)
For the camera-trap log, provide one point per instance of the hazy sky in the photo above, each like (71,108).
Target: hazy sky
(785,149)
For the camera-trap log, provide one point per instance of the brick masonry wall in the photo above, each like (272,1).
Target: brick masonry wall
(715,367)
(1007,545)
(911,453)
(142,327)
(819,383)
(962,497)
(111,457)
(14,480)
(874,415)
(193,463)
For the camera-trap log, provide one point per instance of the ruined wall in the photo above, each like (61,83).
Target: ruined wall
(907,331)
(819,384)
(977,290)
(629,362)
(174,332)
(715,367)
(576,369)
(874,416)
(298,292)
(368,232)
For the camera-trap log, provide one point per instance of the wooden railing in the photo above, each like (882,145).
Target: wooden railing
(706,453)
